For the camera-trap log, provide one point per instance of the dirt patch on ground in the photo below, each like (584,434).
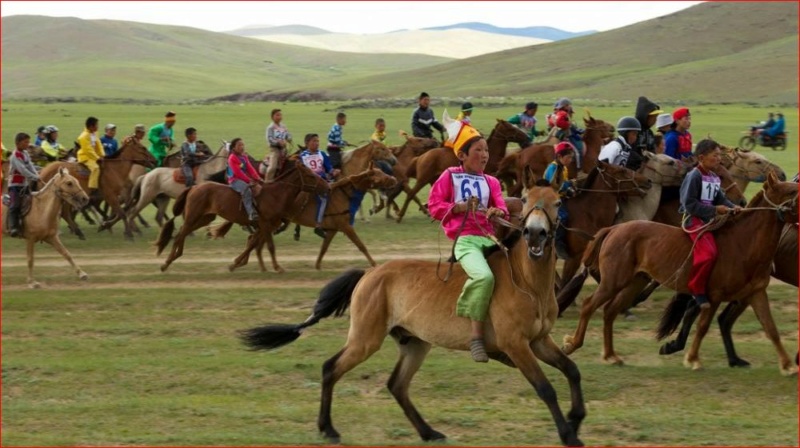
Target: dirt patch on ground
(233,283)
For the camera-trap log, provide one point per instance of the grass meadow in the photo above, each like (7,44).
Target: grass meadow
(139,357)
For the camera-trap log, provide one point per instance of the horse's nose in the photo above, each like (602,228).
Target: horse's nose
(742,202)
(782,176)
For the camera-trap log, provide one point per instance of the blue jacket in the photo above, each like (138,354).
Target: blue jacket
(777,128)
(110,145)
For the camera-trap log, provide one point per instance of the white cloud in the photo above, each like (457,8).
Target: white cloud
(358,17)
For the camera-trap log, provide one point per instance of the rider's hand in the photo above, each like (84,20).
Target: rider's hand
(460,207)
(736,209)
(722,209)
(335,172)
(494,211)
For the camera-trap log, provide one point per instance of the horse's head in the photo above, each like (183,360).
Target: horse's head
(663,170)
(782,196)
(509,133)
(597,131)
(379,151)
(37,154)
(540,219)
(729,185)
(616,178)
(136,152)
(418,144)
(373,178)
(309,181)
(69,189)
(750,165)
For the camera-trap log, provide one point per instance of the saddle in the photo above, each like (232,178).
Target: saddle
(82,171)
(178,176)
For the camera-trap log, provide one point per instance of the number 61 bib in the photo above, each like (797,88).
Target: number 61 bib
(467,185)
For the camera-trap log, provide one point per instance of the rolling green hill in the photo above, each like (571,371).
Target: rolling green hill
(46,57)
(713,52)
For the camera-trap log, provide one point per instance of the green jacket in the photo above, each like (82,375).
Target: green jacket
(158,147)
(526,123)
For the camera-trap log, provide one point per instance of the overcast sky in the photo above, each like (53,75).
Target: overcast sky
(358,16)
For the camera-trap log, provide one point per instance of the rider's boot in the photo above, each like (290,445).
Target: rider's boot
(13,221)
(561,243)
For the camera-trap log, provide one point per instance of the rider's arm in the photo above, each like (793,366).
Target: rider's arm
(691,189)
(24,167)
(496,199)
(441,197)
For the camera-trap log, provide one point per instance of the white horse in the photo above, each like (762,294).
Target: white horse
(161,181)
(41,222)
(663,171)
(746,167)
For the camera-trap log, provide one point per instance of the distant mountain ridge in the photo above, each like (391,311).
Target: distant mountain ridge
(538,32)
(264,30)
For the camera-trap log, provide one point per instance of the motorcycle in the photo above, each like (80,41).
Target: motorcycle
(753,137)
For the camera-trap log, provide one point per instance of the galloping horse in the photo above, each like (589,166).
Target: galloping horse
(337,216)
(161,181)
(41,222)
(534,159)
(429,166)
(113,175)
(746,167)
(200,204)
(626,254)
(406,299)
(663,171)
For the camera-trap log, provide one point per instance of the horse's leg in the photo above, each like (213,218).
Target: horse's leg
(589,306)
(412,354)
(610,313)
(33,284)
(59,247)
(189,226)
(760,304)
(271,247)
(361,215)
(726,320)
(692,358)
(571,266)
(365,338)
(326,242)
(547,350)
(689,316)
(409,197)
(66,213)
(351,233)
(244,257)
(522,356)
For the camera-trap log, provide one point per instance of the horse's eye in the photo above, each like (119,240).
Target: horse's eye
(758,162)
(69,184)
(524,200)
(557,204)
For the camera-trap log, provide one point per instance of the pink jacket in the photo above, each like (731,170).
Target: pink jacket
(241,169)
(442,199)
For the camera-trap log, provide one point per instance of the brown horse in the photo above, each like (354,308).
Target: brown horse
(304,212)
(407,300)
(200,204)
(627,254)
(595,207)
(41,222)
(113,177)
(534,159)
(429,166)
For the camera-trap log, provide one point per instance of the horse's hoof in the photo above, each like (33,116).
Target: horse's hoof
(790,371)
(232,268)
(613,360)
(575,441)
(129,237)
(34,285)
(81,236)
(568,345)
(280,270)
(692,364)
(667,349)
(83,276)
(738,362)
(164,267)
(434,436)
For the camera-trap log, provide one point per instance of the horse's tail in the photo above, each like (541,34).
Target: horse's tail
(165,235)
(333,299)
(570,292)
(136,192)
(672,315)
(219,231)
(180,202)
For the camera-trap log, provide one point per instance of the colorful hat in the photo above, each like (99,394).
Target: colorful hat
(563,147)
(664,120)
(458,132)
(680,113)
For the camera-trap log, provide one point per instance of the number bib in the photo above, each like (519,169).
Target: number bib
(314,162)
(711,186)
(466,185)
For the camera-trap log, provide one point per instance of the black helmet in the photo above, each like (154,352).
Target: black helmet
(628,124)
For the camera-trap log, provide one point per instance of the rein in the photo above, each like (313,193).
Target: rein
(613,191)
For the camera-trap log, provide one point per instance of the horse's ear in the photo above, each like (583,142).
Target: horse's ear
(772,179)
(529,178)
(403,134)
(499,120)
(371,165)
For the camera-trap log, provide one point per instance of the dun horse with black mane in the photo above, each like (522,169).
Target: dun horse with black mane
(406,299)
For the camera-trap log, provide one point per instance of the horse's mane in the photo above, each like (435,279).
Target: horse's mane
(351,179)
(290,168)
(509,241)
(590,178)
(347,155)
(47,185)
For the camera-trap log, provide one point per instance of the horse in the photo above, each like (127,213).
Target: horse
(785,269)
(746,167)
(337,216)
(113,175)
(663,171)
(161,181)
(627,254)
(429,166)
(407,300)
(404,155)
(595,205)
(200,204)
(534,159)
(41,222)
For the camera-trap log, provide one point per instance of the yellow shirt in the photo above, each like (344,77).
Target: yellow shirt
(90,147)
(379,136)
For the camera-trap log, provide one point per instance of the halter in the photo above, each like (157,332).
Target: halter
(760,174)
(60,193)
(782,207)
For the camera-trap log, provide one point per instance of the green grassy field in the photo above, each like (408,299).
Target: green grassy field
(139,357)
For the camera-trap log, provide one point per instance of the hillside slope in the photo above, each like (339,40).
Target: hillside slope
(714,52)
(69,57)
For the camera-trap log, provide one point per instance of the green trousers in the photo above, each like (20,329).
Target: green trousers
(473,302)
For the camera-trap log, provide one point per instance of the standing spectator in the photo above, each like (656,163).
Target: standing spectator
(423,119)
(277,137)
(678,141)
(526,120)
(110,145)
(336,141)
(191,155)
(89,153)
(160,137)
(647,113)
(466,113)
